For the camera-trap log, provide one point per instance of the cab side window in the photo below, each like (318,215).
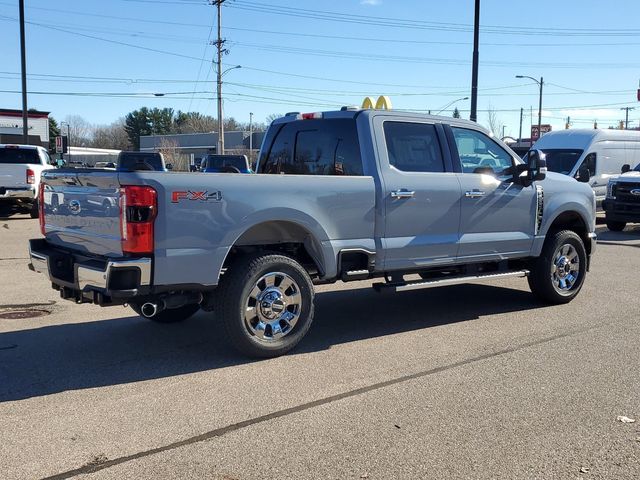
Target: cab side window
(315,147)
(413,147)
(479,153)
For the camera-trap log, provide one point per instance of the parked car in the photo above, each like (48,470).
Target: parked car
(622,204)
(225,164)
(20,170)
(592,156)
(140,161)
(345,195)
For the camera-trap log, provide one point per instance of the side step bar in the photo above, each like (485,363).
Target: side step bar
(418,284)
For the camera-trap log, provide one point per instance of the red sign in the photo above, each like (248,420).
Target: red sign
(59,146)
(546,128)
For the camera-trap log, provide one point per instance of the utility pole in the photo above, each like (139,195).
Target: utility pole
(23,61)
(219,44)
(626,122)
(520,134)
(250,134)
(474,72)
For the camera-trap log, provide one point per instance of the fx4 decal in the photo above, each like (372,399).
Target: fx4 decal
(205,196)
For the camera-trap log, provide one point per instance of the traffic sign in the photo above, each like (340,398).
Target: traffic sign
(61,144)
(546,128)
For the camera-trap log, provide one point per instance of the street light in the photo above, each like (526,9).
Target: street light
(451,103)
(68,140)
(220,149)
(540,83)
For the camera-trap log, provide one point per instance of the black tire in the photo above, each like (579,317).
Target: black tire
(35,211)
(239,281)
(170,315)
(616,226)
(541,278)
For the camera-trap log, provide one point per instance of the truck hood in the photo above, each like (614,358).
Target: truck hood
(632,176)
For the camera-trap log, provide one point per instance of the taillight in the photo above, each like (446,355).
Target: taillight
(43,230)
(138,207)
(31,177)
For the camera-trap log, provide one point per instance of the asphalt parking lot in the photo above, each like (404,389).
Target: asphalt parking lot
(473,381)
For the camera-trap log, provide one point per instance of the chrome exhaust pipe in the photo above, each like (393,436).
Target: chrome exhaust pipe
(149,309)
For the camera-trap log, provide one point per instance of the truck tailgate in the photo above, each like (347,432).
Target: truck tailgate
(13,176)
(81,210)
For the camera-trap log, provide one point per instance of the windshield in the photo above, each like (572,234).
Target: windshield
(19,155)
(562,160)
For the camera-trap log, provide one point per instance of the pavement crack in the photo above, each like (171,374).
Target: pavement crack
(219,432)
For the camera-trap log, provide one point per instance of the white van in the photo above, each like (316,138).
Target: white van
(601,152)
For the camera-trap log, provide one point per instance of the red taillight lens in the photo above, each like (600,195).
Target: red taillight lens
(41,208)
(138,207)
(31,177)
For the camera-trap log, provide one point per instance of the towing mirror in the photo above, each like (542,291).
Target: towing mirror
(625,168)
(537,165)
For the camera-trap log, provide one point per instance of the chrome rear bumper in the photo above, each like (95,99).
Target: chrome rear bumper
(89,279)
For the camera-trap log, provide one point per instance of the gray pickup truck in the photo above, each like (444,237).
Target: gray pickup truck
(344,195)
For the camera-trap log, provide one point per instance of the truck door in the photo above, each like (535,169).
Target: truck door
(420,194)
(498,216)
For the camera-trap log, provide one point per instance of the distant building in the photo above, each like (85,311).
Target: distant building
(90,156)
(11,126)
(197,145)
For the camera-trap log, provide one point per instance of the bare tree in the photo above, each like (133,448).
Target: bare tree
(80,130)
(494,123)
(112,136)
(169,150)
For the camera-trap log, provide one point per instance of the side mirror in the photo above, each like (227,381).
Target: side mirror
(625,168)
(169,166)
(584,175)
(537,165)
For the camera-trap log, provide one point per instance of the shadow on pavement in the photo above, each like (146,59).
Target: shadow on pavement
(11,212)
(73,356)
(630,237)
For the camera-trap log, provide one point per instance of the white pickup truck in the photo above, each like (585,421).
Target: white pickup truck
(20,170)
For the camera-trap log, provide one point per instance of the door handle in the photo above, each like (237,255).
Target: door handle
(474,194)
(403,194)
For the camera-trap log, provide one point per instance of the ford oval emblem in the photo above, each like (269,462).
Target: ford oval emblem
(635,191)
(74,207)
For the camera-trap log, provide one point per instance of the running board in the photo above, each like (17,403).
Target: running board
(418,284)
(355,275)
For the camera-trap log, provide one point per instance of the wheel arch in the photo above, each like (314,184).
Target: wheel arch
(301,237)
(569,219)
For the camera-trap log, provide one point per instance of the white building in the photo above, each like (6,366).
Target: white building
(11,126)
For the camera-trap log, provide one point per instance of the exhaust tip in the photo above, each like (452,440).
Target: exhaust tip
(149,309)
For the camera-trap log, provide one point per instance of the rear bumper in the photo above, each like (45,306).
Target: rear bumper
(18,193)
(103,281)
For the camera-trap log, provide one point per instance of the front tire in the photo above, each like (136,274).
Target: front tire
(170,315)
(266,302)
(557,275)
(616,226)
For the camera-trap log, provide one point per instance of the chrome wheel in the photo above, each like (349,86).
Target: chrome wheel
(565,269)
(273,307)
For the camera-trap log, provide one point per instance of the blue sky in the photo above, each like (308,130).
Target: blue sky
(309,56)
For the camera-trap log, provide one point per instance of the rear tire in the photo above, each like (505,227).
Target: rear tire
(35,210)
(170,315)
(616,226)
(558,274)
(266,304)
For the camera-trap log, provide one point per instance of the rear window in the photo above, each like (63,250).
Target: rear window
(315,147)
(19,155)
(139,161)
(219,161)
(561,160)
